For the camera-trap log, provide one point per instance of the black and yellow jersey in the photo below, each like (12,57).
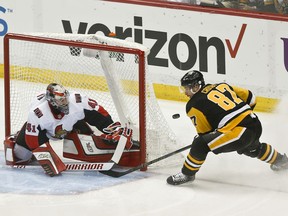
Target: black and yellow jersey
(219,106)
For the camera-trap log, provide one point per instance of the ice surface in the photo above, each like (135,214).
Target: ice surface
(227,184)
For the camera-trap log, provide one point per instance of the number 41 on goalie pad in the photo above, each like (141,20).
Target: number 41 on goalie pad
(92,148)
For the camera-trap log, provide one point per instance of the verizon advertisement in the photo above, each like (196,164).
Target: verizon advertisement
(244,51)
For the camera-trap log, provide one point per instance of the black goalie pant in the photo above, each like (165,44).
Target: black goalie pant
(244,138)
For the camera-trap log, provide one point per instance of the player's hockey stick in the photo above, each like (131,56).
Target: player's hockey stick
(117,174)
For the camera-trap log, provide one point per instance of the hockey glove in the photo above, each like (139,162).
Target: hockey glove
(112,128)
(113,132)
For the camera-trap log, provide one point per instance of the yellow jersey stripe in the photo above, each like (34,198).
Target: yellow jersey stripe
(234,122)
(226,138)
(201,123)
(232,115)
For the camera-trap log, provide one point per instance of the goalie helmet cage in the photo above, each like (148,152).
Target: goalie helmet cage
(114,72)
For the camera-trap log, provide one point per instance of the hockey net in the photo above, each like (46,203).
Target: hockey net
(114,72)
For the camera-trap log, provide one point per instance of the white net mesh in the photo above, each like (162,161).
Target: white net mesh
(111,78)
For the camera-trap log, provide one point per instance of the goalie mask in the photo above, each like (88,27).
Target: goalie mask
(193,80)
(58,97)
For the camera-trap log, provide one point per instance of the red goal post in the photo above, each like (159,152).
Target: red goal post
(93,65)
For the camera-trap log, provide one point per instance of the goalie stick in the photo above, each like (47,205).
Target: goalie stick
(91,166)
(75,166)
(117,174)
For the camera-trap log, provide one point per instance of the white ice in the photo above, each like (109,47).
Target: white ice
(226,185)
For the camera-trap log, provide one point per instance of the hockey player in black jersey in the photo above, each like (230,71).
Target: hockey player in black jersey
(225,122)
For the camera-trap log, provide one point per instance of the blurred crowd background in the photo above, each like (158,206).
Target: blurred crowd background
(267,6)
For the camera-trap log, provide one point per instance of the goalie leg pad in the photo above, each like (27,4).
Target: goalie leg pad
(9,144)
(16,154)
(49,160)
(23,155)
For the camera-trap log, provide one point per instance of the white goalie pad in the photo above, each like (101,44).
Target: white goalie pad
(92,148)
(71,145)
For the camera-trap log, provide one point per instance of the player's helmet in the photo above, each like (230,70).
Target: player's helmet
(191,78)
(58,97)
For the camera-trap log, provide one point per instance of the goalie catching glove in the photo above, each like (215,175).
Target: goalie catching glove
(113,132)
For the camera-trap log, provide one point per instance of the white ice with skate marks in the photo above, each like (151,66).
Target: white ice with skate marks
(227,184)
(32,180)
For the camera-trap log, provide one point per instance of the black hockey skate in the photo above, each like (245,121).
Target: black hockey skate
(281,164)
(179,178)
